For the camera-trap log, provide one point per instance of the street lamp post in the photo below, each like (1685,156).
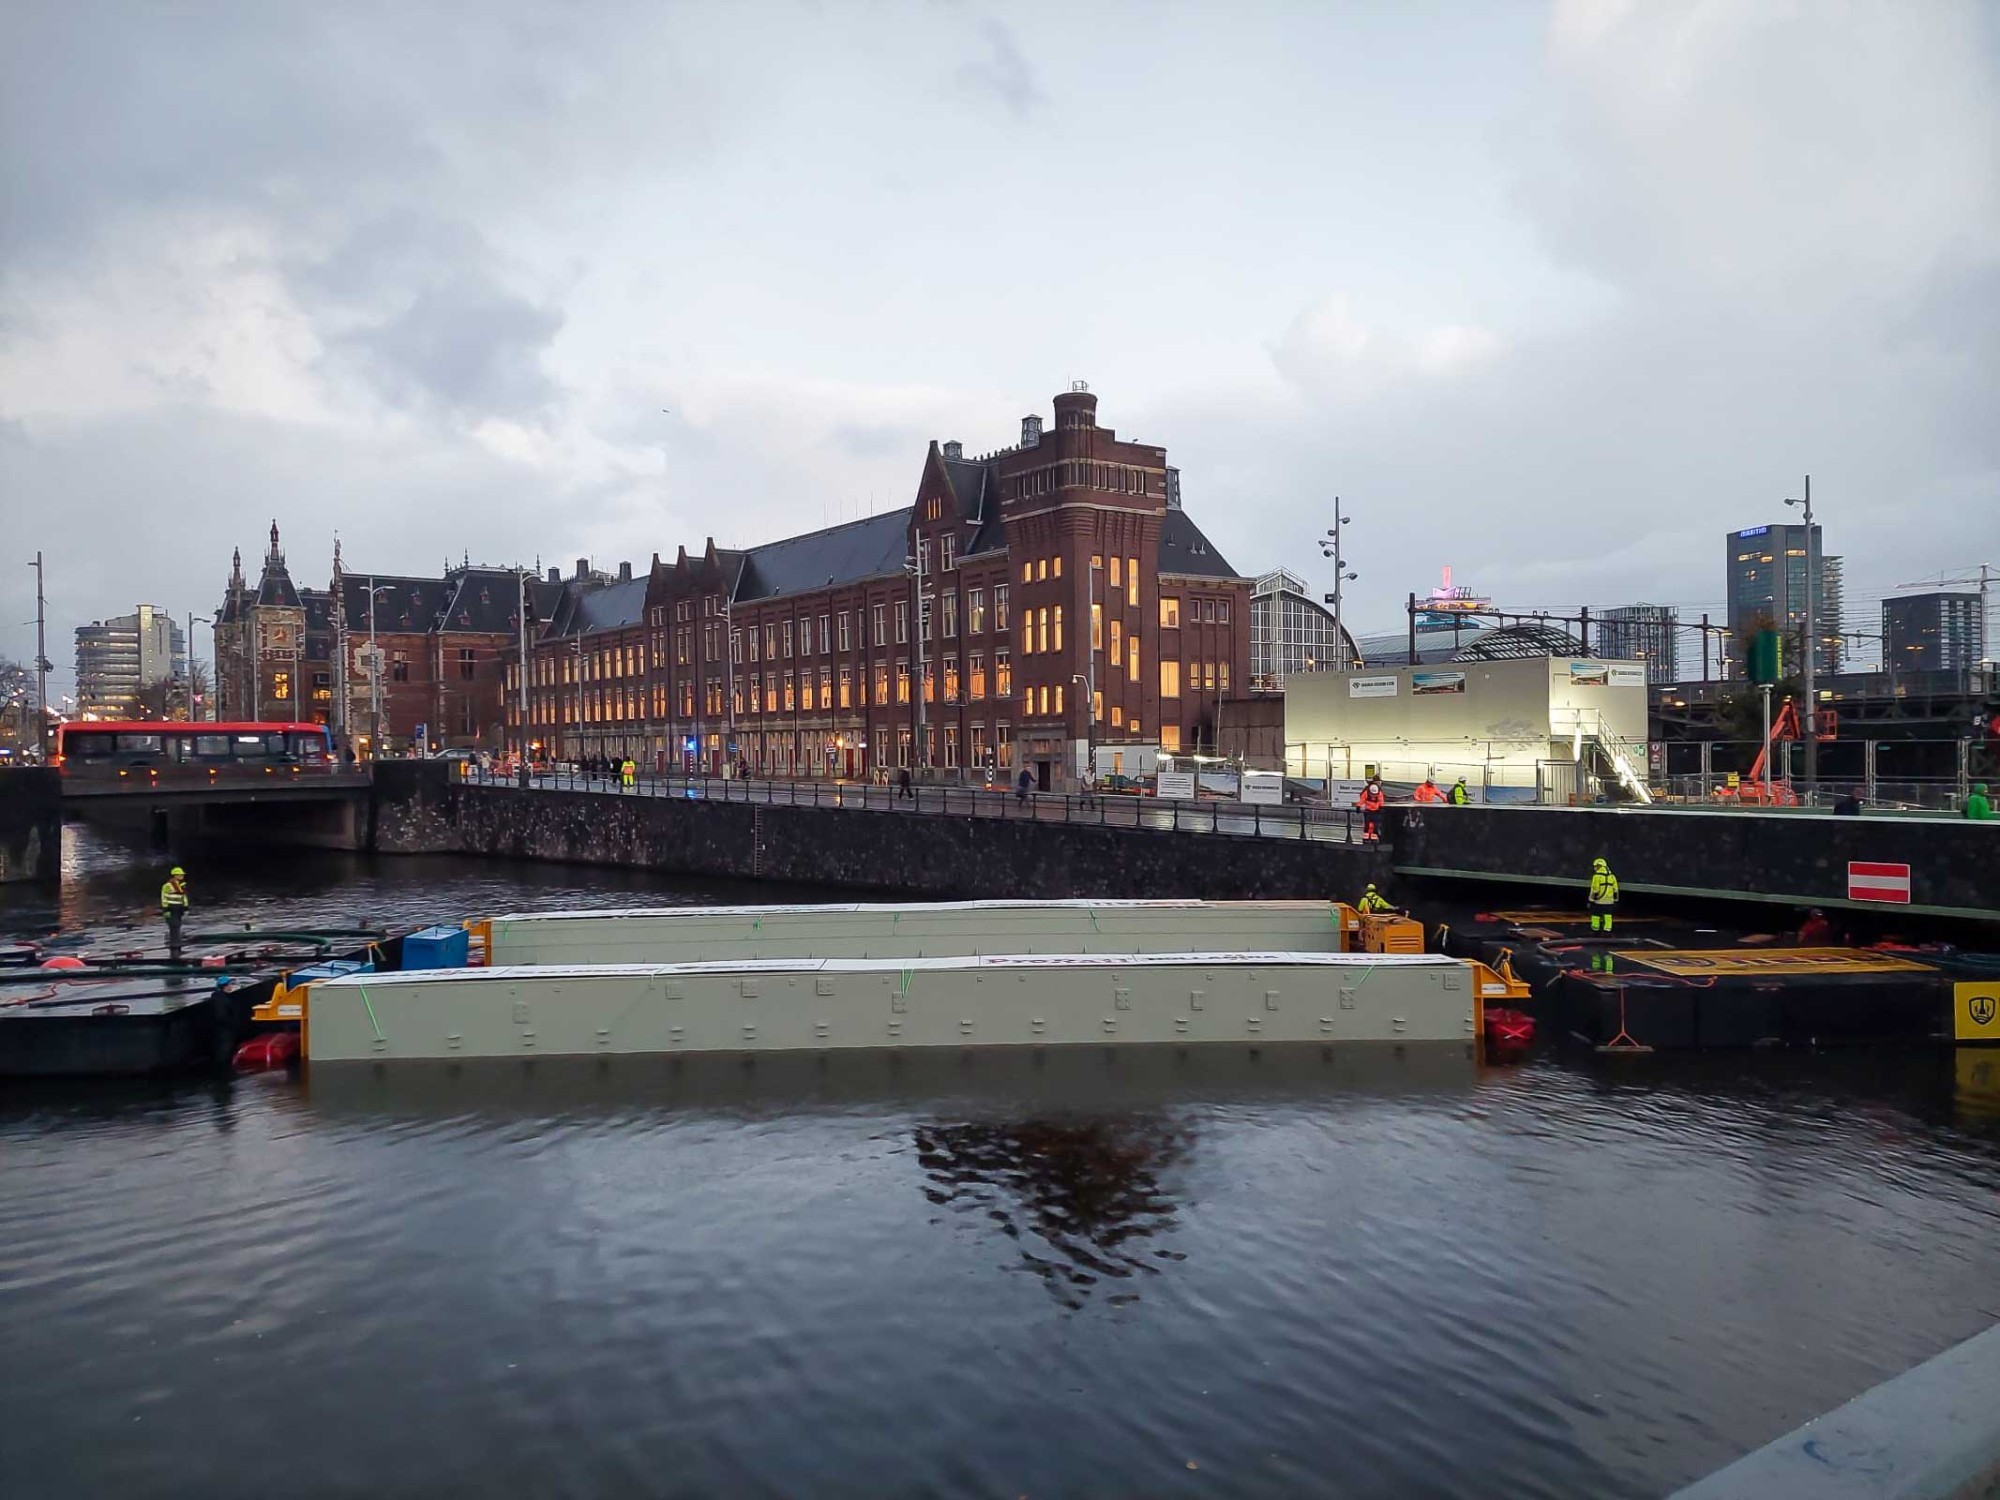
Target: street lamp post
(374,675)
(1330,547)
(1812,642)
(915,567)
(206,620)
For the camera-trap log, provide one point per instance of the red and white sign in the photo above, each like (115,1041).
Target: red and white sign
(1875,882)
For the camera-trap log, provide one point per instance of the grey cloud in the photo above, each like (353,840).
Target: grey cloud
(1003,70)
(473,347)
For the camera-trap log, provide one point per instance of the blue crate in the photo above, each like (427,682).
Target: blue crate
(436,948)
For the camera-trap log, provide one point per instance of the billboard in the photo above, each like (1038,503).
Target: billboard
(1590,674)
(1371,687)
(1423,684)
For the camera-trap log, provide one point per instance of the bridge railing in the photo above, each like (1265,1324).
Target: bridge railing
(1104,809)
(135,779)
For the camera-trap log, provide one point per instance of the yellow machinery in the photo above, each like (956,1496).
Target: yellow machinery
(1391,932)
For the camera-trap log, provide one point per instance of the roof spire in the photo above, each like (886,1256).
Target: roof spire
(275,555)
(236,570)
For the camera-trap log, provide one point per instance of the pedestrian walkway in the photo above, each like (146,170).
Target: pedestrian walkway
(1110,810)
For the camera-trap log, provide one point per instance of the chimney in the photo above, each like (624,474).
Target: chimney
(1031,431)
(1173,489)
(582,568)
(555,575)
(624,572)
(954,449)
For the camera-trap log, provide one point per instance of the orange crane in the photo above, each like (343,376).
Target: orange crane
(1754,788)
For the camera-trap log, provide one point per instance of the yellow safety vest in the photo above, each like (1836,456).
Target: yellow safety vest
(172,895)
(1604,888)
(1375,902)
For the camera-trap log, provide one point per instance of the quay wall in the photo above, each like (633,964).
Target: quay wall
(1792,859)
(418,812)
(30,823)
(1786,859)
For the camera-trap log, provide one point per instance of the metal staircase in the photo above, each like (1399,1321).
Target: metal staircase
(1624,761)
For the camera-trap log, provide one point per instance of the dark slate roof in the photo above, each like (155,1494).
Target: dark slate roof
(319,608)
(613,606)
(485,599)
(840,554)
(979,498)
(581,607)
(1185,552)
(403,604)
(275,587)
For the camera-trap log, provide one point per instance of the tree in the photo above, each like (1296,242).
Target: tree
(17,706)
(157,700)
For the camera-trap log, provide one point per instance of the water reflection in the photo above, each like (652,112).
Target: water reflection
(1079,1199)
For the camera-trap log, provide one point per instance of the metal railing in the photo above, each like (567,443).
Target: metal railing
(1105,809)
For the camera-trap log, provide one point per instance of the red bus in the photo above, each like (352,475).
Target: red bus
(85,748)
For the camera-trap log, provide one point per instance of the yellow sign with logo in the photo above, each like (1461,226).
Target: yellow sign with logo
(1717,963)
(1975,1010)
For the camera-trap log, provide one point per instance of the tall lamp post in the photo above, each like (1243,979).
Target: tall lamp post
(1330,547)
(915,567)
(206,620)
(1811,728)
(374,674)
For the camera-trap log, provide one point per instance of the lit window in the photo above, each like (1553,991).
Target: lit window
(1115,576)
(1131,580)
(1170,679)
(1170,614)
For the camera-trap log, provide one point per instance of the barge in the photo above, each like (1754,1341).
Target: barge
(932,929)
(1667,984)
(824,1004)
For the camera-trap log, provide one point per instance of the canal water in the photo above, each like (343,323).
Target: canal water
(1131,1273)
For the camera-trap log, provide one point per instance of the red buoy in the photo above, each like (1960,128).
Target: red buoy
(64,961)
(267,1053)
(1509,1034)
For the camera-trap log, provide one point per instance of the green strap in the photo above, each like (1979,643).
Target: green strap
(371,1013)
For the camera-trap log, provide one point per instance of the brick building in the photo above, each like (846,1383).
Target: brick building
(593,690)
(285,652)
(271,645)
(445,645)
(1028,604)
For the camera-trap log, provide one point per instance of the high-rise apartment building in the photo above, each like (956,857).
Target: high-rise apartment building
(1643,632)
(1767,591)
(116,660)
(1935,632)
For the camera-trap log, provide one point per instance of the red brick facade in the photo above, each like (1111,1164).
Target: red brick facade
(970,630)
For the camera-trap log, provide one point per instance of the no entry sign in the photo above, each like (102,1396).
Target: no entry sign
(1867,881)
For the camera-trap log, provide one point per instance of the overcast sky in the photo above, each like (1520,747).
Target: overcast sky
(1555,294)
